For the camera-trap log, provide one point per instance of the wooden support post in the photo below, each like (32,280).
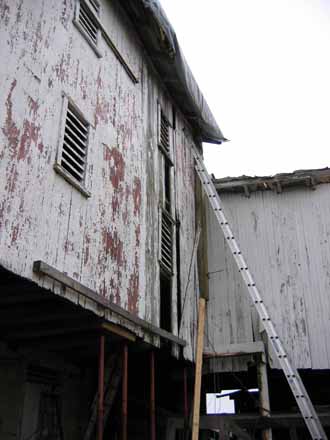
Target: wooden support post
(124,392)
(100,412)
(152,397)
(264,395)
(198,373)
(202,252)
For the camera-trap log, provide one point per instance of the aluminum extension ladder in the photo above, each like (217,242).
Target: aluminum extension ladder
(291,373)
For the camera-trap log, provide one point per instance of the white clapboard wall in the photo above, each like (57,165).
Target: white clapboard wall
(285,238)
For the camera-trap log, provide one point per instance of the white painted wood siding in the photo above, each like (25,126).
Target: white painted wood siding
(109,242)
(285,239)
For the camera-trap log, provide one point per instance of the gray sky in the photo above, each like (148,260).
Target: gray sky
(264,68)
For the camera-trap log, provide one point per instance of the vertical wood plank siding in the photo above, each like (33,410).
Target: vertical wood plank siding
(109,242)
(285,238)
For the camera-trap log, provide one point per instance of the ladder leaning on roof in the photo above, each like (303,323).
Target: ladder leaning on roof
(291,373)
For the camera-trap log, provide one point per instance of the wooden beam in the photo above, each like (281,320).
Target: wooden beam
(112,328)
(251,420)
(198,373)
(43,268)
(264,402)
(202,252)
(232,350)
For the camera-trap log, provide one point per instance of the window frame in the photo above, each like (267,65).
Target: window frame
(166,207)
(165,270)
(168,154)
(80,186)
(166,163)
(95,18)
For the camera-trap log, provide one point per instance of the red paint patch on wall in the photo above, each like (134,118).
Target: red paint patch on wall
(102,108)
(33,106)
(115,204)
(137,235)
(102,111)
(10,129)
(113,246)
(19,145)
(68,246)
(133,289)
(86,252)
(114,111)
(127,193)
(30,134)
(14,234)
(62,68)
(137,195)
(12,179)
(115,292)
(116,164)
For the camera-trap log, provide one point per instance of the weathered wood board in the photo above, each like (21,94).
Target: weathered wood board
(110,241)
(285,239)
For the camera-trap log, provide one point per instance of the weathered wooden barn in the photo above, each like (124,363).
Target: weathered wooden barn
(282,225)
(101,214)
(98,213)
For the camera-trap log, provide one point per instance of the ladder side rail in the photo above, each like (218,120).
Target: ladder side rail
(292,375)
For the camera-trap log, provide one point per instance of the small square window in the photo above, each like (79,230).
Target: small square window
(72,154)
(88,23)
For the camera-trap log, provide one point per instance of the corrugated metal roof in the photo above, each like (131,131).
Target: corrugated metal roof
(278,182)
(160,41)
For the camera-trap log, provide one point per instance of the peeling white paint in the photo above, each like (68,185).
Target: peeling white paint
(285,240)
(108,242)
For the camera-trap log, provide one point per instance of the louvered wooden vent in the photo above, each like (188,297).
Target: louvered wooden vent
(164,138)
(74,149)
(88,22)
(167,243)
(96,6)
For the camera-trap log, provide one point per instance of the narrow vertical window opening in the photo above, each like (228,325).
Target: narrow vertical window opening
(167,185)
(165,303)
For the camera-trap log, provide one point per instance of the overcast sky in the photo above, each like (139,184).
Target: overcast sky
(264,69)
